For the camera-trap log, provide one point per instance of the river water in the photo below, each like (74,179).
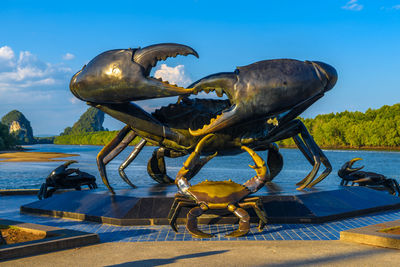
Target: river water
(23,175)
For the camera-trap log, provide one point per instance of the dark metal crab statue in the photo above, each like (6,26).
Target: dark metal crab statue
(218,194)
(264,99)
(369,179)
(63,178)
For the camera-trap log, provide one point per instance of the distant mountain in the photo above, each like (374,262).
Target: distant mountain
(19,126)
(90,121)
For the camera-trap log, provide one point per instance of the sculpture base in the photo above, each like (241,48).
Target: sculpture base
(125,208)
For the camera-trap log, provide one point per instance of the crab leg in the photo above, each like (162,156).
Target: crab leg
(191,224)
(303,148)
(274,161)
(120,147)
(256,204)
(42,191)
(50,192)
(244,222)
(142,121)
(156,167)
(296,111)
(396,187)
(320,158)
(293,129)
(107,150)
(176,207)
(177,199)
(306,152)
(129,160)
(317,160)
(344,182)
(326,163)
(390,186)
(309,148)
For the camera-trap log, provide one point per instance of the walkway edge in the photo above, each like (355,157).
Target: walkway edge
(371,235)
(57,239)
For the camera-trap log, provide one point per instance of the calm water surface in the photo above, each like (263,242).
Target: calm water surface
(31,174)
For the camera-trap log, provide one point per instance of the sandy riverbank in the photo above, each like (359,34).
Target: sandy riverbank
(19,156)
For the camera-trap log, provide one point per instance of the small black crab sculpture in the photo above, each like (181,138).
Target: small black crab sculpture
(369,179)
(63,178)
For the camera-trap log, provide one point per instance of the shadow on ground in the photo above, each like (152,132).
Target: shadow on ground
(159,262)
(328,260)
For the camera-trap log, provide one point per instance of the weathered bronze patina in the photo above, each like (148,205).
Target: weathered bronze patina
(369,179)
(210,195)
(263,102)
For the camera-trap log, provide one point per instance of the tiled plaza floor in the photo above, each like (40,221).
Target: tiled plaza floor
(9,209)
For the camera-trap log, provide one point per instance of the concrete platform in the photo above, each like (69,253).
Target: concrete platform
(227,253)
(135,207)
(56,239)
(10,208)
(373,235)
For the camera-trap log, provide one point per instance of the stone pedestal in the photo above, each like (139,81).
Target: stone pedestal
(151,207)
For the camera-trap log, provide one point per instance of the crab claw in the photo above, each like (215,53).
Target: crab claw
(122,75)
(193,164)
(220,82)
(263,174)
(259,164)
(263,88)
(348,166)
(66,164)
(195,156)
(61,169)
(329,72)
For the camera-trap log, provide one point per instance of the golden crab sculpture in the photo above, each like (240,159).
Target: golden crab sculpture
(211,195)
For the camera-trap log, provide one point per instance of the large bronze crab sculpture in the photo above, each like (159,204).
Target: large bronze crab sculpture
(369,179)
(264,99)
(63,177)
(218,194)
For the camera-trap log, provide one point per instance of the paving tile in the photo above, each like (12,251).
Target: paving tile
(9,209)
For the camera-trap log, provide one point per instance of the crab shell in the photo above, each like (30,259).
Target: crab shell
(218,194)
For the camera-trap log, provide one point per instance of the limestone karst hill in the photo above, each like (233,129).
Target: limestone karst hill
(19,127)
(90,121)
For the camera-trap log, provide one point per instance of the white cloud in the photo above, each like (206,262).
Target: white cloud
(397,7)
(174,75)
(7,56)
(26,75)
(6,53)
(68,56)
(353,5)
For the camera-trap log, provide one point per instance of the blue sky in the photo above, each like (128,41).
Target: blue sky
(42,43)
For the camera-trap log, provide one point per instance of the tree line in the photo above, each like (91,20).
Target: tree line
(375,128)
(7,141)
(91,138)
